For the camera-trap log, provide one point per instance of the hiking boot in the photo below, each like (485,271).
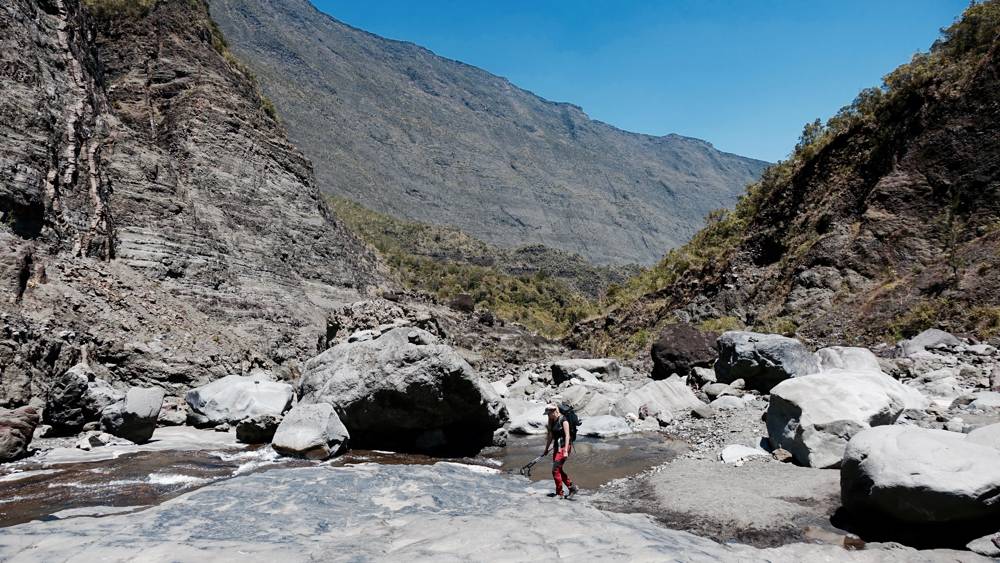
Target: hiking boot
(573,489)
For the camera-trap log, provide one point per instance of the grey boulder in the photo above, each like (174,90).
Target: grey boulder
(405,392)
(526,417)
(562,370)
(17,427)
(847,357)
(233,398)
(603,426)
(986,436)
(920,475)
(930,338)
(311,431)
(78,396)
(671,395)
(762,360)
(134,418)
(814,416)
(257,429)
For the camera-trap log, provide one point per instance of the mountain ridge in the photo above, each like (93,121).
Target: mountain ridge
(408,133)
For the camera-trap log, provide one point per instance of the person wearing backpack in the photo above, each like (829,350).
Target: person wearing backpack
(562,424)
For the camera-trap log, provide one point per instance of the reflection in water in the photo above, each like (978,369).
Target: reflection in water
(595,462)
(30,491)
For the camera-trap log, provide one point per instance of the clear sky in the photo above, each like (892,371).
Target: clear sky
(742,74)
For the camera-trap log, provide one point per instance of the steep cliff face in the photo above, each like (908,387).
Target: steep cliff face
(152,208)
(404,132)
(885,222)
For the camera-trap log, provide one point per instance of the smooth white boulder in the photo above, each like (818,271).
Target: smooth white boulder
(736,453)
(310,431)
(986,436)
(814,416)
(526,417)
(986,400)
(930,338)
(916,474)
(671,395)
(234,397)
(847,357)
(603,426)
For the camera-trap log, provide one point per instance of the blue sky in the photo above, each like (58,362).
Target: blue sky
(744,75)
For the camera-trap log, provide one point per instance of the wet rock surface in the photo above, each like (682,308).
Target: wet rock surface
(380,512)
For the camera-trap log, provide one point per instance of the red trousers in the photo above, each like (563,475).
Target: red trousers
(558,473)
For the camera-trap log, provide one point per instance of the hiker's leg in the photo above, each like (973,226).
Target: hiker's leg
(562,469)
(557,471)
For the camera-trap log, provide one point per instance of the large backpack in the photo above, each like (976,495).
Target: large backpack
(574,421)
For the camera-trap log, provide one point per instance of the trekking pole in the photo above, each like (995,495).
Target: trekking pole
(526,470)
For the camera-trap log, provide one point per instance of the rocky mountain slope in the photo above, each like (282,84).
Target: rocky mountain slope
(884,222)
(410,134)
(153,211)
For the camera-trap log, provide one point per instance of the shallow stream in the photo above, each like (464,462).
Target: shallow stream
(39,490)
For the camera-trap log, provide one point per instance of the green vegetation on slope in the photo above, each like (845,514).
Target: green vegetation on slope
(447,262)
(879,112)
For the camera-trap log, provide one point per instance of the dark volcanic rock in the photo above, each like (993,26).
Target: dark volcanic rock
(258,429)
(680,348)
(135,417)
(462,147)
(762,360)
(404,392)
(16,429)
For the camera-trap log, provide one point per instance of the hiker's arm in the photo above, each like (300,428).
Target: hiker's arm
(566,441)
(548,441)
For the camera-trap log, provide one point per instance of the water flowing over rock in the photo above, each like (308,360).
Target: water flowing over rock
(310,431)
(16,429)
(404,391)
(391,512)
(814,416)
(762,360)
(234,397)
(921,475)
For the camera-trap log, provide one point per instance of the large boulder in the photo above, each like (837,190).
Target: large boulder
(258,429)
(670,395)
(135,417)
(405,392)
(526,417)
(608,368)
(311,431)
(814,416)
(920,475)
(588,399)
(986,436)
(78,396)
(847,357)
(762,360)
(930,338)
(680,348)
(233,398)
(603,426)
(16,429)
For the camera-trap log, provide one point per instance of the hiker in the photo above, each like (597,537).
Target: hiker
(562,422)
